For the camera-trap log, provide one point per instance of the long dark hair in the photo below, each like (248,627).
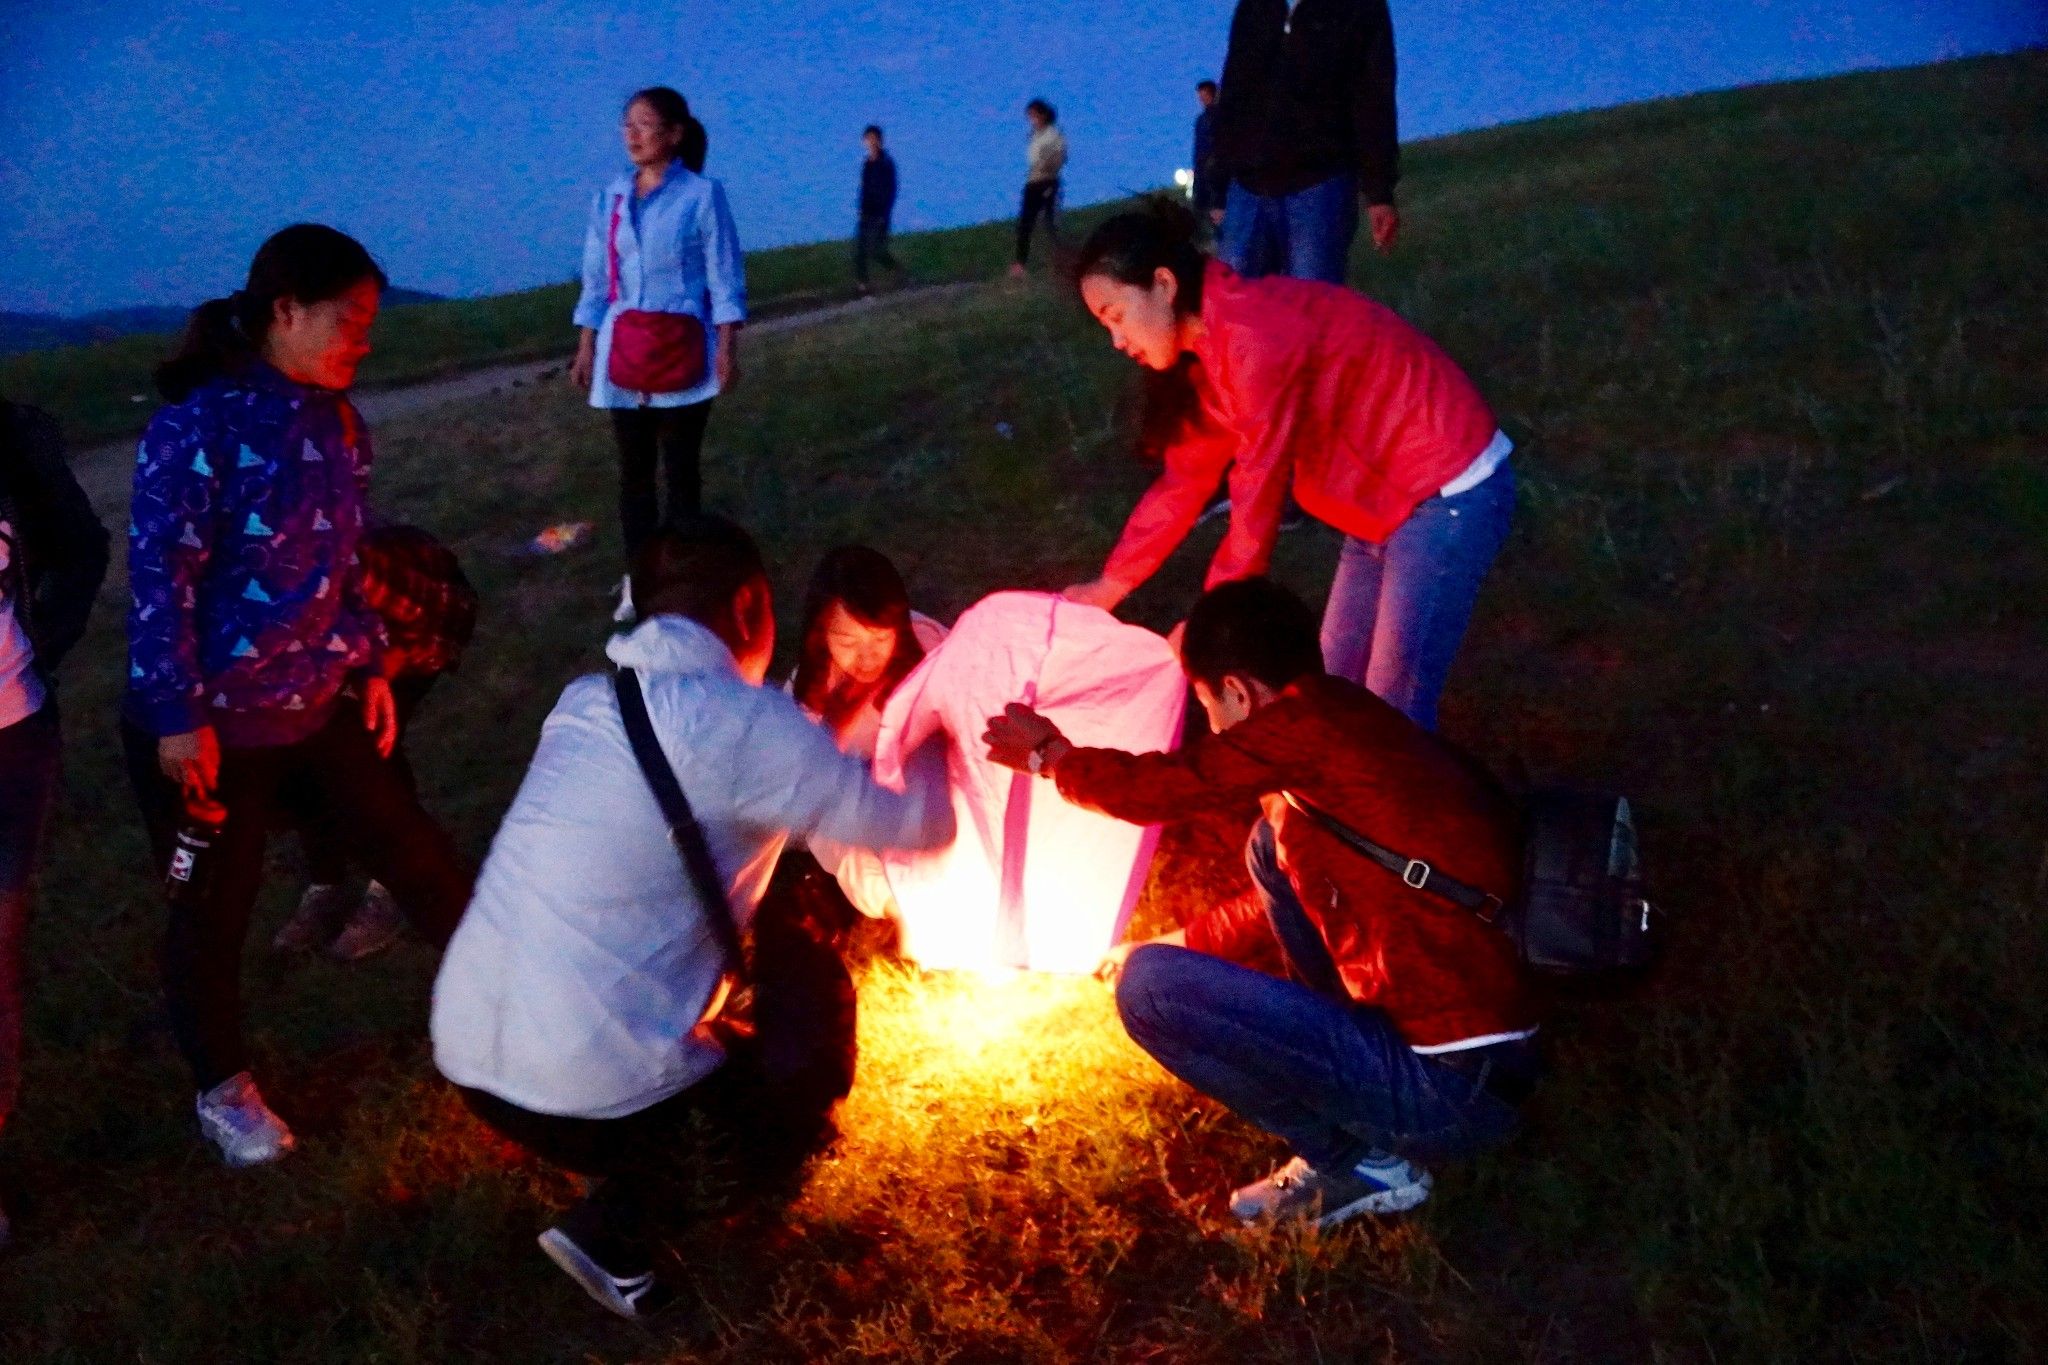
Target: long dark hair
(692,142)
(867,585)
(1131,248)
(307,262)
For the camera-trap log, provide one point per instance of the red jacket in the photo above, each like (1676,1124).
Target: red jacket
(1314,387)
(1440,974)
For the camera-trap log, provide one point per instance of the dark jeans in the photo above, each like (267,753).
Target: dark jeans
(1041,199)
(29,763)
(1334,1080)
(321,831)
(400,844)
(652,1166)
(1306,234)
(678,434)
(871,239)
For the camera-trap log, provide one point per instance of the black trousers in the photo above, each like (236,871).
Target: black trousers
(401,844)
(871,239)
(1041,198)
(651,1166)
(322,832)
(677,434)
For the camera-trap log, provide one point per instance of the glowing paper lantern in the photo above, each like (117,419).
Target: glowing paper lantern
(1029,881)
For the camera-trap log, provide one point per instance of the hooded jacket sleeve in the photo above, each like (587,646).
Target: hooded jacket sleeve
(170,540)
(795,778)
(592,302)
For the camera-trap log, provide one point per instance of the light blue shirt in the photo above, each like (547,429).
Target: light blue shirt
(678,253)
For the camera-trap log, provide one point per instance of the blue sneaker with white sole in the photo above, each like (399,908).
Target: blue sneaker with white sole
(1298,1192)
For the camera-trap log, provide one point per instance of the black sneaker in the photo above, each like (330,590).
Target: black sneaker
(1292,518)
(630,1296)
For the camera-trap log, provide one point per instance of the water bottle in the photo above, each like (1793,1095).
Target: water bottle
(194,852)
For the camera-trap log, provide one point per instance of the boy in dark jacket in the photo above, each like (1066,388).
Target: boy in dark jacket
(877,203)
(1371,1026)
(1304,130)
(53,554)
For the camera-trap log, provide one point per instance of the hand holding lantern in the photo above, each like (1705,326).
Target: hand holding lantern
(1022,739)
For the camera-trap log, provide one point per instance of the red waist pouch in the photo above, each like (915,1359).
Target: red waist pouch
(656,352)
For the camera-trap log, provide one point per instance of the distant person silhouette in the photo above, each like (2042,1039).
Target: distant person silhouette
(1045,159)
(876,203)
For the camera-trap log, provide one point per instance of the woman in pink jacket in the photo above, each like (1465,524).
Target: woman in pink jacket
(1312,389)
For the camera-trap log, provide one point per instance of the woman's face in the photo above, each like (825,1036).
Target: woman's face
(1140,319)
(858,650)
(322,343)
(649,140)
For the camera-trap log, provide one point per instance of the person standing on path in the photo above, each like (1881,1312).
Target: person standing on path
(1045,158)
(664,297)
(877,202)
(53,555)
(1211,186)
(1315,390)
(1305,129)
(253,665)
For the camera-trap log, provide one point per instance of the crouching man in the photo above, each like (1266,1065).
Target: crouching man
(1402,1031)
(577,1003)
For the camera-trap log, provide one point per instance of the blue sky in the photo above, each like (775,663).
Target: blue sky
(150,147)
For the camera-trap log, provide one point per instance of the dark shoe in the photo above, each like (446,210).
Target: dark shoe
(630,1296)
(1292,519)
(376,925)
(314,922)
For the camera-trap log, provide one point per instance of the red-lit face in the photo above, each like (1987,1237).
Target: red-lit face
(649,141)
(859,650)
(321,344)
(1141,321)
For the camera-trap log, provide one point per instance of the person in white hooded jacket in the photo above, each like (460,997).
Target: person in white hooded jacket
(575,1004)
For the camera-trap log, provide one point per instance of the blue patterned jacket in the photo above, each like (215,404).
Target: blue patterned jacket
(249,501)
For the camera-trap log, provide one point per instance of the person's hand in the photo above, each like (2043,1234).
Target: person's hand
(380,714)
(1386,226)
(726,367)
(585,363)
(1096,592)
(1111,969)
(1018,733)
(192,760)
(1216,217)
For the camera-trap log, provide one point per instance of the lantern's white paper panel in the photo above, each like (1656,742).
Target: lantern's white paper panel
(1029,880)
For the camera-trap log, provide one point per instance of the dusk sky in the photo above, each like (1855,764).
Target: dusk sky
(146,149)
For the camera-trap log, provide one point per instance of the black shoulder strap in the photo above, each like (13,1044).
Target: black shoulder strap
(683,830)
(1413,871)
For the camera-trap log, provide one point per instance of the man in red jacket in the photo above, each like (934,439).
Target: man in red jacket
(1387,1028)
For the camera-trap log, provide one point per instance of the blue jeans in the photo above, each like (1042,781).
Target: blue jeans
(1335,1081)
(1306,234)
(28,781)
(1398,610)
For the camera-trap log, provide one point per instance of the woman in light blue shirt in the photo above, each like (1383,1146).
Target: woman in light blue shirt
(661,239)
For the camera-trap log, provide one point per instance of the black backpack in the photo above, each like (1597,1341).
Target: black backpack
(1582,909)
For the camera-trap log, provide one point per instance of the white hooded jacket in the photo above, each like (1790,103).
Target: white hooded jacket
(580,978)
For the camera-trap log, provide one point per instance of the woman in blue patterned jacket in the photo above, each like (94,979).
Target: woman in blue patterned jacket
(252,666)
(660,242)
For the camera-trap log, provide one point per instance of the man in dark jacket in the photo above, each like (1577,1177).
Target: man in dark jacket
(877,202)
(1209,183)
(53,554)
(1304,130)
(1372,1026)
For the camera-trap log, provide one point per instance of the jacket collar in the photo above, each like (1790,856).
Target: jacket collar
(672,644)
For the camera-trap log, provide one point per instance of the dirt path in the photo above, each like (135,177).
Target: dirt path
(103,469)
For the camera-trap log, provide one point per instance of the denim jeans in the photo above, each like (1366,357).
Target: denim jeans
(1397,611)
(1306,234)
(1334,1080)
(28,780)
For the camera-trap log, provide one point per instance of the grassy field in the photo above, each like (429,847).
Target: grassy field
(93,389)
(1774,361)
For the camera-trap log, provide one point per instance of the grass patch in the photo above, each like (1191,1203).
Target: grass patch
(1773,361)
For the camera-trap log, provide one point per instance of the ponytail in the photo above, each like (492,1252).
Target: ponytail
(306,262)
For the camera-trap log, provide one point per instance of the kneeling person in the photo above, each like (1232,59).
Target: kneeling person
(1402,1032)
(577,1004)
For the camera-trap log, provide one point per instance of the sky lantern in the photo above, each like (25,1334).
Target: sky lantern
(1029,881)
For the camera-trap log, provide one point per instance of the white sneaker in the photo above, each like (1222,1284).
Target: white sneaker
(623,613)
(235,1120)
(1382,1183)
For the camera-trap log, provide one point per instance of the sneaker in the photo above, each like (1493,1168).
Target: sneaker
(235,1119)
(1299,1192)
(629,1296)
(623,613)
(1292,518)
(314,922)
(375,926)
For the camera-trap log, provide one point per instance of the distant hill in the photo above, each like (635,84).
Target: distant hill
(45,331)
